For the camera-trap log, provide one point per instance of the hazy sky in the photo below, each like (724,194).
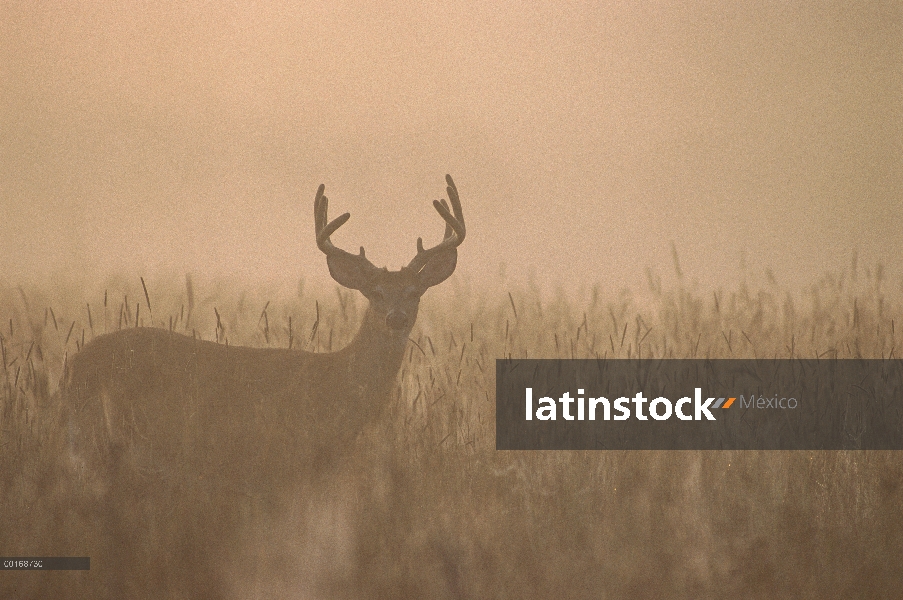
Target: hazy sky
(154,137)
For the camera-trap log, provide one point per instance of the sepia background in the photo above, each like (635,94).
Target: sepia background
(584,137)
(665,180)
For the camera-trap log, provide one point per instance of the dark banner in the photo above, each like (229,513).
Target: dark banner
(648,404)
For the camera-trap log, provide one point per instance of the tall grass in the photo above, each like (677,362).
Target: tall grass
(426,507)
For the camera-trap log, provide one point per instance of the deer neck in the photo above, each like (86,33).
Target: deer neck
(375,354)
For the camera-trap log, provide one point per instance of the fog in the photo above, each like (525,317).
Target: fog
(142,138)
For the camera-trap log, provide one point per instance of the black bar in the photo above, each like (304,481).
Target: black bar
(45,563)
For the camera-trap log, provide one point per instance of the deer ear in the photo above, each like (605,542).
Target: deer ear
(350,271)
(438,268)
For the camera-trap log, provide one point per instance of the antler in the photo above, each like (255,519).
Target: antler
(324,229)
(454,228)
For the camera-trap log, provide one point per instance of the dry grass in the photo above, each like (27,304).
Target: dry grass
(426,507)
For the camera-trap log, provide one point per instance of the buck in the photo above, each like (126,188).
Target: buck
(151,410)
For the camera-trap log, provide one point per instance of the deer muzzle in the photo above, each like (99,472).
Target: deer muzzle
(396,319)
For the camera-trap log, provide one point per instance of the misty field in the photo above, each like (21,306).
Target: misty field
(424,506)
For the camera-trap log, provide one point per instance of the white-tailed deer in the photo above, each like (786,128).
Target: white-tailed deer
(212,425)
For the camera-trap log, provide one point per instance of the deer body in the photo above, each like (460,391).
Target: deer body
(182,406)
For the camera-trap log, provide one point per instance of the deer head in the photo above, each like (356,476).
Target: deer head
(394,295)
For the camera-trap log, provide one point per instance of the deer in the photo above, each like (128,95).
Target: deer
(201,426)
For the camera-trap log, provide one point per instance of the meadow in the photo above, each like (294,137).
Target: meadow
(425,507)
